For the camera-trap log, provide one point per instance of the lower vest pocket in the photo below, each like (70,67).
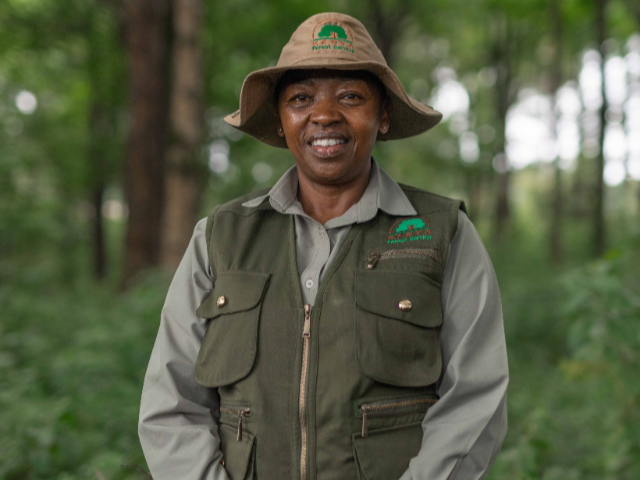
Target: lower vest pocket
(385,453)
(238,455)
(394,412)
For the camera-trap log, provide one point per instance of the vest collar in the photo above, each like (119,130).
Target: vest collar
(383,192)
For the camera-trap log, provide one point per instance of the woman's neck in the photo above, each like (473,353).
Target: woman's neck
(322,202)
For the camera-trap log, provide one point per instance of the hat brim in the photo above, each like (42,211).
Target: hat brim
(408,117)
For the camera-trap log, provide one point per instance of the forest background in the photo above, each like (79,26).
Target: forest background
(112,146)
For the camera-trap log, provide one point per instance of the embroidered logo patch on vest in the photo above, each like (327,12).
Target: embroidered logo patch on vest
(332,35)
(411,229)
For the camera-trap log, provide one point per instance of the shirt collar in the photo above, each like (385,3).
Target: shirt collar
(382,192)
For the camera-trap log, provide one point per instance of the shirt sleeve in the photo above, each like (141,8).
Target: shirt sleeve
(464,430)
(178,434)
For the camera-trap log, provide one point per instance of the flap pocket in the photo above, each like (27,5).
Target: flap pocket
(398,315)
(381,292)
(386,453)
(228,350)
(233,291)
(238,456)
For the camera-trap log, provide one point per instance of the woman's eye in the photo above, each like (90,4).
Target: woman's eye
(351,96)
(301,97)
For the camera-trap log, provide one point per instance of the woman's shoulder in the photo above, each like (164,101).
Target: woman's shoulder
(236,205)
(426,201)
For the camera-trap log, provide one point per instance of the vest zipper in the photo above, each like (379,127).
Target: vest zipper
(242,412)
(413,252)
(366,408)
(306,334)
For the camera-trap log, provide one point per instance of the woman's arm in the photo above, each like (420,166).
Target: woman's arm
(464,430)
(179,436)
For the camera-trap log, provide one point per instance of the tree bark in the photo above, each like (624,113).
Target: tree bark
(184,173)
(148,40)
(599,227)
(556,248)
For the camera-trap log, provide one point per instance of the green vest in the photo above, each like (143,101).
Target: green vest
(337,391)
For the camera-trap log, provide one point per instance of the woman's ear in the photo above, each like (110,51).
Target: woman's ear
(279,127)
(278,121)
(384,117)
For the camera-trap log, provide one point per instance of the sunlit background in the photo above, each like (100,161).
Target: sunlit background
(540,137)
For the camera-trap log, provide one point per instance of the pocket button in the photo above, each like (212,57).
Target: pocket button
(222,301)
(405,305)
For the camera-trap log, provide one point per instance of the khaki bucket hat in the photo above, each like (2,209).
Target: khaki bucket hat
(331,41)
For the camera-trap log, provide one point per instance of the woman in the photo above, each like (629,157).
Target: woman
(338,325)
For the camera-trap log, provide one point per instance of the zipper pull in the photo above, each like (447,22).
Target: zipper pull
(241,413)
(373,258)
(306,333)
(365,432)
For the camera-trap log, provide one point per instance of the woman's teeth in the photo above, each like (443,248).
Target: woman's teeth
(327,142)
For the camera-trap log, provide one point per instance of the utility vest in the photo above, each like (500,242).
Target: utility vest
(337,391)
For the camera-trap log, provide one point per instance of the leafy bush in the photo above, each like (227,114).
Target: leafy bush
(71,369)
(580,418)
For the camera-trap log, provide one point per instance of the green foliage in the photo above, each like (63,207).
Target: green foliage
(73,353)
(72,363)
(574,399)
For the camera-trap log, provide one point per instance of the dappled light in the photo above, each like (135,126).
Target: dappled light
(113,144)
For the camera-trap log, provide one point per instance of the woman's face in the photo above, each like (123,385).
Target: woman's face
(330,120)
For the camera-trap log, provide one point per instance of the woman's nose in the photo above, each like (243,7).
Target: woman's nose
(325,111)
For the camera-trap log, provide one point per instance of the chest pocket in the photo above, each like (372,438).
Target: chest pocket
(398,315)
(228,350)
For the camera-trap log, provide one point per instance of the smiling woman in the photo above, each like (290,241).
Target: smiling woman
(339,324)
(331,119)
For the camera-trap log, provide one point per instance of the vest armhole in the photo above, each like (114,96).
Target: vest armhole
(208,232)
(455,208)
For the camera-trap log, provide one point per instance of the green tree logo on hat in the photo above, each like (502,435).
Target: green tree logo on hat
(332,31)
(332,35)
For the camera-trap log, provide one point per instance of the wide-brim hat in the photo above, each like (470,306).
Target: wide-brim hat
(331,41)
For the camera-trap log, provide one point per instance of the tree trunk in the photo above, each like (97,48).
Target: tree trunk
(502,63)
(102,119)
(386,26)
(556,248)
(99,254)
(98,121)
(599,232)
(148,39)
(184,173)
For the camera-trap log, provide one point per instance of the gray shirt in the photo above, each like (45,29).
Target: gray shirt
(463,431)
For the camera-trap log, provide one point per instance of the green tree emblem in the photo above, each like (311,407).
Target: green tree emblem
(412,224)
(332,31)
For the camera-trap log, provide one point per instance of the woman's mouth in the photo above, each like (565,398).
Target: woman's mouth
(328,147)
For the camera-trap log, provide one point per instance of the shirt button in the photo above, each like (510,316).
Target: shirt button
(309,283)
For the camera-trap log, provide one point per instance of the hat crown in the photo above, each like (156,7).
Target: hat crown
(330,38)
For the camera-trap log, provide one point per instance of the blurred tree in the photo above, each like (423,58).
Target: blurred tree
(386,20)
(599,226)
(502,59)
(148,44)
(556,24)
(105,46)
(185,174)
